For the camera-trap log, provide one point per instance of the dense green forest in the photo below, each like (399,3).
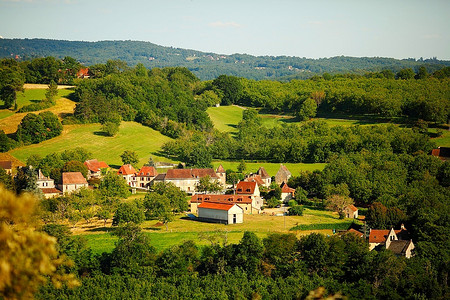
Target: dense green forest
(206,66)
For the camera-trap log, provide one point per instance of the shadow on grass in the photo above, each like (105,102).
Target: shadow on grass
(101,133)
(102,229)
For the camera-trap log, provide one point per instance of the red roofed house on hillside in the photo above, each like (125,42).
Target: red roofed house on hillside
(95,168)
(255,178)
(188,179)
(227,213)
(395,240)
(261,177)
(287,193)
(72,181)
(351,212)
(250,188)
(264,176)
(246,202)
(442,153)
(128,173)
(7,166)
(83,73)
(145,176)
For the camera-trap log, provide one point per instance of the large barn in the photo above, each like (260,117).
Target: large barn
(225,213)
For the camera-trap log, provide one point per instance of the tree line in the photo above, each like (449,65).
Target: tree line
(206,66)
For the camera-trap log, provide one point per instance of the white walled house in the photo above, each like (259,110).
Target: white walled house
(47,186)
(128,173)
(72,181)
(225,213)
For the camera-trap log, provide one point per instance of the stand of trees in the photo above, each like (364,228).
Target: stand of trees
(314,141)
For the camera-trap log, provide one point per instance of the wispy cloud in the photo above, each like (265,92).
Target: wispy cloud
(221,24)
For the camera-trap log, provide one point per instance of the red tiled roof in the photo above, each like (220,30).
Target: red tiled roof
(354,231)
(286,189)
(51,191)
(262,172)
(220,169)
(200,198)
(255,178)
(147,171)
(435,152)
(94,165)
(73,178)
(190,173)
(126,170)
(246,187)
(380,235)
(219,206)
(6,164)
(352,207)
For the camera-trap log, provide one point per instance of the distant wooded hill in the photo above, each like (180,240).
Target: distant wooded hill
(206,65)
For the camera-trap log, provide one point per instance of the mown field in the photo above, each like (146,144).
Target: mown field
(133,136)
(271,168)
(9,119)
(226,118)
(183,229)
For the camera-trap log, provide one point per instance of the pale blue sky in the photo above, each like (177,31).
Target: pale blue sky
(313,28)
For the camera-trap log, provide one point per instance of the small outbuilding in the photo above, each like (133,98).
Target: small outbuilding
(225,213)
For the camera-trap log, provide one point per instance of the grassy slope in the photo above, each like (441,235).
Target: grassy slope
(225,118)
(271,168)
(9,120)
(132,136)
(183,229)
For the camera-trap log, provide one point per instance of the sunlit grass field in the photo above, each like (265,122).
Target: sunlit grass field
(183,229)
(271,168)
(133,136)
(9,119)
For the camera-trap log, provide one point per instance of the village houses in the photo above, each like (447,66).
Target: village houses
(47,186)
(72,181)
(397,241)
(95,168)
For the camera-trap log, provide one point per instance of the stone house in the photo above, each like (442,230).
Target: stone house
(72,181)
(47,186)
(188,179)
(397,241)
(282,175)
(351,211)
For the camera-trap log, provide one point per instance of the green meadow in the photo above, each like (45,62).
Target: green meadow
(183,229)
(133,136)
(226,118)
(30,96)
(271,168)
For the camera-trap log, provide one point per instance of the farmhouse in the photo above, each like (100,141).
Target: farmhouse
(95,168)
(72,181)
(128,172)
(287,193)
(248,205)
(188,179)
(226,213)
(222,175)
(282,175)
(351,212)
(145,176)
(47,186)
(7,166)
(261,177)
(395,240)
